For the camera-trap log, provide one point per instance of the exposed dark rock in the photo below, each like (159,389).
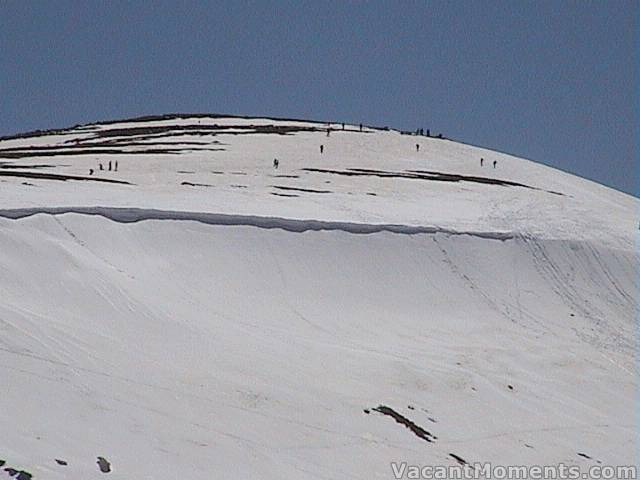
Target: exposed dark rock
(402,420)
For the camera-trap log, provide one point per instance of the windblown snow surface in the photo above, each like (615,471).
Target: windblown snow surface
(200,314)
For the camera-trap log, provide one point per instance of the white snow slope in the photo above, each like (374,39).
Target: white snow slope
(217,318)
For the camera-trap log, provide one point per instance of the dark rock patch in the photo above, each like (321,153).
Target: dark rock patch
(12,166)
(205,130)
(284,194)
(68,150)
(55,176)
(425,175)
(18,474)
(104,465)
(458,459)
(306,190)
(190,184)
(417,430)
(140,140)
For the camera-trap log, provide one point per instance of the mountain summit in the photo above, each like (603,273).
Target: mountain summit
(200,296)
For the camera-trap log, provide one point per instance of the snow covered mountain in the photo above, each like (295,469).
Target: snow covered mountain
(174,306)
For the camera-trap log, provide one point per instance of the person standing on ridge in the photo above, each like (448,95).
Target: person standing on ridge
(494,163)
(481,161)
(360,127)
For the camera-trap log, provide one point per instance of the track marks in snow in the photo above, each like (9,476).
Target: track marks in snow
(83,245)
(561,274)
(487,298)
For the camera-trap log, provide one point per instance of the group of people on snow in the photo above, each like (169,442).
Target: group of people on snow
(420,131)
(111,166)
(495,162)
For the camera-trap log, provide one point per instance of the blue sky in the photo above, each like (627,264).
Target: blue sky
(554,81)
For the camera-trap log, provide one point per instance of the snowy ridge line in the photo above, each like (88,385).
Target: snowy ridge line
(132,215)
(79,128)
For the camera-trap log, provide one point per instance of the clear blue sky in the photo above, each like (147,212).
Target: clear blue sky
(555,81)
